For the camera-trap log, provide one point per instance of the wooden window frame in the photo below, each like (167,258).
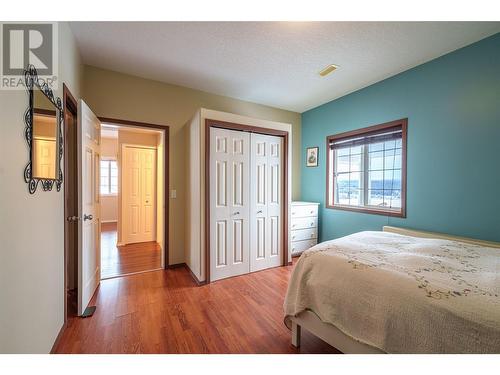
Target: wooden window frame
(371,129)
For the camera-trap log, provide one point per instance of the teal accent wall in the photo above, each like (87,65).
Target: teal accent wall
(453,169)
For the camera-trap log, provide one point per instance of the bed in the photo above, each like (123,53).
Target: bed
(398,291)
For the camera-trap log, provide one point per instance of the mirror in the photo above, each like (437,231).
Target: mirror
(45,143)
(43,134)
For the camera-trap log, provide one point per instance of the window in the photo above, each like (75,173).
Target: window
(367,169)
(109,177)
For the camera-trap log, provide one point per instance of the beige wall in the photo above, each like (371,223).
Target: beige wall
(31,227)
(115,95)
(109,148)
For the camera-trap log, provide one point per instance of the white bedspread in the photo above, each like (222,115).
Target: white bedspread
(402,294)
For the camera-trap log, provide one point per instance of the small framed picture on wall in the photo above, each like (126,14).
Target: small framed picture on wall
(312,156)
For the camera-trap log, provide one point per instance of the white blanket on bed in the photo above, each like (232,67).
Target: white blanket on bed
(402,294)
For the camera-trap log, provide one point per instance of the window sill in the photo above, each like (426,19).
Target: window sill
(109,195)
(370,210)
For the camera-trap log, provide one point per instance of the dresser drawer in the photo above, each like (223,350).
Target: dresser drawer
(304,210)
(304,222)
(304,234)
(300,246)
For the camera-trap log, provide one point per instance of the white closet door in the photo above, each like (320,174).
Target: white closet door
(229,203)
(139,194)
(148,160)
(265,202)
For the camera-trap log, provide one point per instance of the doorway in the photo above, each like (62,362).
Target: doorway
(132,194)
(82,205)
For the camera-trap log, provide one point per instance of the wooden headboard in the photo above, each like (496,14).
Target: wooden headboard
(419,233)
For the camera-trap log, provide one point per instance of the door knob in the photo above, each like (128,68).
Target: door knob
(72,218)
(259,212)
(87,217)
(237,213)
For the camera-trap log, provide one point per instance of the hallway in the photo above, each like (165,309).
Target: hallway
(127,259)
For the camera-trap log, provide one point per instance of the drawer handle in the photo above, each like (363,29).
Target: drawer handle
(293,225)
(312,223)
(293,237)
(293,212)
(312,211)
(312,235)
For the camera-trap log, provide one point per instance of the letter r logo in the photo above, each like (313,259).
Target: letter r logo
(25,44)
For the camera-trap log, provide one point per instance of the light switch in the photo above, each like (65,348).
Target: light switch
(173,194)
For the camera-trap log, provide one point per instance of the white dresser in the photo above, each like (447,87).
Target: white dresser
(304,226)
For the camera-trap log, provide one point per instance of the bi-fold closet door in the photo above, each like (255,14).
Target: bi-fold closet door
(229,203)
(245,202)
(265,202)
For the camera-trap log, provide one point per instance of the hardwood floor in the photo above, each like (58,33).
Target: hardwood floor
(165,312)
(122,260)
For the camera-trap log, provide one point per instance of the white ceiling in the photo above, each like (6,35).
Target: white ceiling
(272,63)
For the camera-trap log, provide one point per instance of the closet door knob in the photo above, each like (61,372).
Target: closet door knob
(236,213)
(259,212)
(87,217)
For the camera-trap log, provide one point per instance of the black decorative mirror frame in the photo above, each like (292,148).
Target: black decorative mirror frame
(33,82)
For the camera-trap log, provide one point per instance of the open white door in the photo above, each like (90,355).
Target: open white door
(89,247)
